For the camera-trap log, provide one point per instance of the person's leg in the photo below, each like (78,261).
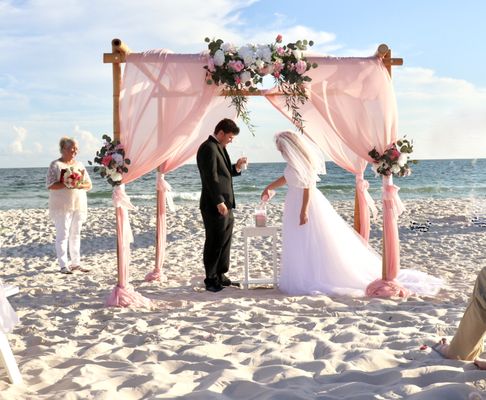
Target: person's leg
(213,225)
(467,343)
(62,223)
(224,259)
(75,240)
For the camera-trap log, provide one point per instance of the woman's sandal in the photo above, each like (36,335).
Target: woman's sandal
(66,270)
(79,268)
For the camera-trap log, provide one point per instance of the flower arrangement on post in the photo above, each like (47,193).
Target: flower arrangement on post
(242,69)
(395,159)
(112,161)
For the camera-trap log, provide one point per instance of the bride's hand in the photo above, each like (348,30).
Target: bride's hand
(304,218)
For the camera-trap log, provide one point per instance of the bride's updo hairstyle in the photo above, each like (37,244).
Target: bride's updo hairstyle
(302,155)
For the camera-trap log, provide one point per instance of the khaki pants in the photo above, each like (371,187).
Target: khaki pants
(467,343)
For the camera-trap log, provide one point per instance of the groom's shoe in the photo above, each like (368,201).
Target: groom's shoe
(225,281)
(215,287)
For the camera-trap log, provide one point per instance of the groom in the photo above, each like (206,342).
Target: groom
(217,201)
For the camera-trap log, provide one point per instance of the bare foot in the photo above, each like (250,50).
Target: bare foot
(442,348)
(481,364)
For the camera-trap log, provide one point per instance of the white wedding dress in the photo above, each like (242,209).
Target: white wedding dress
(326,256)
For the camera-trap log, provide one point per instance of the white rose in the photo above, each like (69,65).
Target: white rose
(297,54)
(259,64)
(395,168)
(227,47)
(402,160)
(247,54)
(116,177)
(264,52)
(218,58)
(245,76)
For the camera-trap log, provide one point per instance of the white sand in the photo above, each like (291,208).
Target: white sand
(236,344)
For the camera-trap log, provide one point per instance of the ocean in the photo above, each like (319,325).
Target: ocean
(24,188)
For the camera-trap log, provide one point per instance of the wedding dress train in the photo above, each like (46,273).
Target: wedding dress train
(326,256)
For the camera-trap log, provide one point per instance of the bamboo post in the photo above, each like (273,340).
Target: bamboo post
(357,221)
(119,51)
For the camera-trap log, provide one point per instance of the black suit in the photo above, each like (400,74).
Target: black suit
(216,174)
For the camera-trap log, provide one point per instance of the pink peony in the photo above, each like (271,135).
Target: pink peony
(236,66)
(301,67)
(279,38)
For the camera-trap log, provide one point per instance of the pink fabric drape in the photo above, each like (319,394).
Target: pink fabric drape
(317,126)
(166,110)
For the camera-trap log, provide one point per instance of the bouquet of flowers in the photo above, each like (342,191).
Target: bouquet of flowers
(243,68)
(112,161)
(72,177)
(395,159)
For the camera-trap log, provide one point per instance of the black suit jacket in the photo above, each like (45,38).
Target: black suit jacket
(216,173)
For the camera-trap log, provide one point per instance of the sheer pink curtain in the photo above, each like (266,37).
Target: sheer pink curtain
(166,110)
(356,98)
(336,150)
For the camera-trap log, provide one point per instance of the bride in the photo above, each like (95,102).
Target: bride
(321,254)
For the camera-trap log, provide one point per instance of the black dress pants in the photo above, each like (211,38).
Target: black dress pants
(217,246)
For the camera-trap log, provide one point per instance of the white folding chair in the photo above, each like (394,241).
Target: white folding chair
(7,359)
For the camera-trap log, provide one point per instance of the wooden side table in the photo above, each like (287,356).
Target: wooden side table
(251,231)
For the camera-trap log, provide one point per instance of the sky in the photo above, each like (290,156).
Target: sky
(53,81)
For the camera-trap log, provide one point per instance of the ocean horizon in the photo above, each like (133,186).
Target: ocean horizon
(24,188)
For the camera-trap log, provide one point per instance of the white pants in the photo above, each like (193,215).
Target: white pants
(68,234)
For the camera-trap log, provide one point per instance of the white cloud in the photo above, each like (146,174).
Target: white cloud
(88,143)
(17,146)
(445,116)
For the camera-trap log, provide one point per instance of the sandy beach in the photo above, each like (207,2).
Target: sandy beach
(236,344)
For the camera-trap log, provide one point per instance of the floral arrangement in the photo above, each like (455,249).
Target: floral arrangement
(395,160)
(72,177)
(242,69)
(112,161)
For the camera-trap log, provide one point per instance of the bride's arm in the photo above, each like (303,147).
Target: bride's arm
(272,186)
(304,218)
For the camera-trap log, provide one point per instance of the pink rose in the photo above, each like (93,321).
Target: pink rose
(276,74)
(280,51)
(237,80)
(279,38)
(106,160)
(301,67)
(394,154)
(236,66)
(277,67)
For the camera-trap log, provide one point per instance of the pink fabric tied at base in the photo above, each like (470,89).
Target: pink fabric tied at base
(164,197)
(127,297)
(366,203)
(382,288)
(392,208)
(123,295)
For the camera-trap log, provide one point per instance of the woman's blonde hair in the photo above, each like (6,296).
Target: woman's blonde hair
(66,141)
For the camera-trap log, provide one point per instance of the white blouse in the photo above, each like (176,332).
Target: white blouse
(65,200)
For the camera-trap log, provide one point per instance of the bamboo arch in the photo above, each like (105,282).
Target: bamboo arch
(118,56)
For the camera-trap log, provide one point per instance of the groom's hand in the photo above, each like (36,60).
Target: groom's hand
(222,209)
